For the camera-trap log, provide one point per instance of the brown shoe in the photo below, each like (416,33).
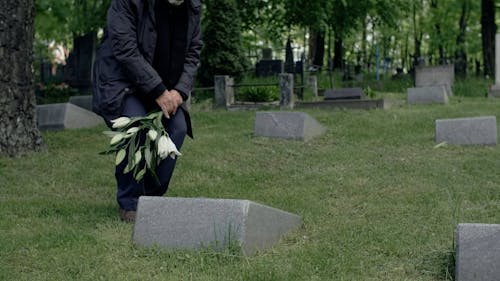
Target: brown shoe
(127,216)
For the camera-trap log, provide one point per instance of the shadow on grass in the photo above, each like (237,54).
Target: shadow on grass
(439,264)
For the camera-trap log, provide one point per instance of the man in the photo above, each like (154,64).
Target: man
(147,61)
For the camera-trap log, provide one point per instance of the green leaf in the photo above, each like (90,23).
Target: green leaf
(127,168)
(140,175)
(131,151)
(120,156)
(147,157)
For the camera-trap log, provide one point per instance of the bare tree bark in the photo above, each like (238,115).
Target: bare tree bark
(461,54)
(317,47)
(488,31)
(18,129)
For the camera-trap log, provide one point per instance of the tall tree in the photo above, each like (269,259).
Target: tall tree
(222,53)
(488,31)
(461,52)
(312,15)
(18,129)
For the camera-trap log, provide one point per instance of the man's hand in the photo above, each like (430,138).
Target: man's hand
(169,101)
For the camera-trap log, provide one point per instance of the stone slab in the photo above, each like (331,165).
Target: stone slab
(84,101)
(427,95)
(467,131)
(443,75)
(494,91)
(269,67)
(60,116)
(287,125)
(477,252)
(344,94)
(343,104)
(197,223)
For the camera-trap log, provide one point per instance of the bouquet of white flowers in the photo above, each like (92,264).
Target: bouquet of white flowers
(143,154)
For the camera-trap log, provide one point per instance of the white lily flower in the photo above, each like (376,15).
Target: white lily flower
(163,147)
(166,147)
(133,130)
(138,156)
(120,156)
(120,122)
(116,139)
(152,134)
(130,132)
(173,152)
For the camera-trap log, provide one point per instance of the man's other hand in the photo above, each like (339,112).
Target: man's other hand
(169,101)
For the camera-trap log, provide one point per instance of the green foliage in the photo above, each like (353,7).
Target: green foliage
(258,94)
(54,93)
(61,20)
(222,53)
(472,86)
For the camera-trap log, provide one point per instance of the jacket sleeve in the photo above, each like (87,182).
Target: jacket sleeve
(122,30)
(192,60)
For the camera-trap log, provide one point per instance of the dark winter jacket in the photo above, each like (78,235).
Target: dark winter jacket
(124,60)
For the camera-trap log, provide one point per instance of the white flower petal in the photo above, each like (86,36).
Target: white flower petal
(120,122)
(116,139)
(152,134)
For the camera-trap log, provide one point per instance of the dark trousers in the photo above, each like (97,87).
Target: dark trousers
(129,189)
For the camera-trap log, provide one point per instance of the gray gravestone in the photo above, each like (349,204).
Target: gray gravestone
(477,252)
(79,68)
(443,75)
(195,223)
(344,94)
(287,125)
(269,67)
(467,131)
(82,101)
(427,95)
(224,90)
(65,116)
(287,97)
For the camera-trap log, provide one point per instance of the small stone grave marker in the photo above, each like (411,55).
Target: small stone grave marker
(427,95)
(443,75)
(344,94)
(196,223)
(287,125)
(269,67)
(467,131)
(65,116)
(477,252)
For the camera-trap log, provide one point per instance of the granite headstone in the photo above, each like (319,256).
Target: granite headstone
(287,125)
(427,95)
(344,94)
(477,252)
(196,223)
(467,131)
(59,116)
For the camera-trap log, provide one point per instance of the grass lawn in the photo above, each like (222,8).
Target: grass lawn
(379,201)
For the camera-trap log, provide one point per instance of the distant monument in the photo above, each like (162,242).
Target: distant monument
(267,66)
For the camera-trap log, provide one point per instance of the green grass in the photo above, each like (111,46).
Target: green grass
(378,201)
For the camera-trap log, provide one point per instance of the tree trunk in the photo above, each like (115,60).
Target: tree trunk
(312,45)
(18,129)
(437,26)
(317,48)
(488,31)
(417,37)
(460,54)
(363,57)
(338,50)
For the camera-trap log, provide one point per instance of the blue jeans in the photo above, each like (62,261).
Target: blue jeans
(129,189)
